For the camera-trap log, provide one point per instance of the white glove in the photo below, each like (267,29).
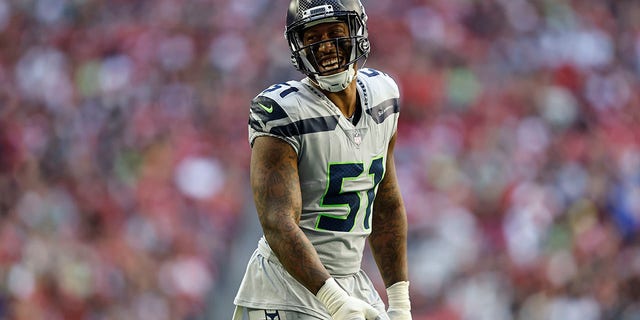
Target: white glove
(399,304)
(341,306)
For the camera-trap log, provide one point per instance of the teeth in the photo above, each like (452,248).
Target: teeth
(330,62)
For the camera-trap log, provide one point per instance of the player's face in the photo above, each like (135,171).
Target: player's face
(329,46)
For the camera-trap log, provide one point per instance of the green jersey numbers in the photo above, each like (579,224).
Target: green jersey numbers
(340,174)
(376,171)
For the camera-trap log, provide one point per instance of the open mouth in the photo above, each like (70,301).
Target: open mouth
(330,64)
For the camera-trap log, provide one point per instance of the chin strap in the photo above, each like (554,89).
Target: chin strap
(336,82)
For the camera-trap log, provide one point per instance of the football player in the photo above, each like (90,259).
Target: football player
(324,180)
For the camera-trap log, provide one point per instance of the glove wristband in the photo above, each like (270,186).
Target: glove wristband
(331,295)
(398,296)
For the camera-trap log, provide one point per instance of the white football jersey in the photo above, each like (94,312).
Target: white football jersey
(340,163)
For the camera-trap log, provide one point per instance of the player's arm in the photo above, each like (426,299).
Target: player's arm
(388,237)
(388,240)
(276,192)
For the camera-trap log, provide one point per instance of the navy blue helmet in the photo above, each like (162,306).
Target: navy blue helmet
(303,14)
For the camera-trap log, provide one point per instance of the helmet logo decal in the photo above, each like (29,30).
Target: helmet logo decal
(364,44)
(317,10)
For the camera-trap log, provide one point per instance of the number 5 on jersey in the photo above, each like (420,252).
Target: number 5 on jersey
(336,196)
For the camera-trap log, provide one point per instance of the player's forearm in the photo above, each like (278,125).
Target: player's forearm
(388,239)
(389,248)
(296,254)
(278,210)
(277,195)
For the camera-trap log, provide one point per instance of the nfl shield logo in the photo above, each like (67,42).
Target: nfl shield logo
(357,138)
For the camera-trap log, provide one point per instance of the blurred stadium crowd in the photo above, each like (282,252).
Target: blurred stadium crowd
(123,153)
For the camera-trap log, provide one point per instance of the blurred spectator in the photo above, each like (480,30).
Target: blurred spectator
(123,153)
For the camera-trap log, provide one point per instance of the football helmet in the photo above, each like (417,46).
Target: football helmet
(352,48)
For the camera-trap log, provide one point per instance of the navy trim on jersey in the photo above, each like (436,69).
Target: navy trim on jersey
(306,126)
(383,110)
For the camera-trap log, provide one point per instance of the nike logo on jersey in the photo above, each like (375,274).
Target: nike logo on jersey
(265,108)
(381,112)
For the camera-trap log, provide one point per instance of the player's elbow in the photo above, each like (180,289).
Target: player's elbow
(277,224)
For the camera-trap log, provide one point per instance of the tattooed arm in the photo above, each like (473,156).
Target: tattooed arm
(388,239)
(276,192)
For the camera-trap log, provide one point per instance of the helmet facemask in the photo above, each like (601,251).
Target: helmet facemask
(317,59)
(323,64)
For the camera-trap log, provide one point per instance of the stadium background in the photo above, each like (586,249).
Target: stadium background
(124,160)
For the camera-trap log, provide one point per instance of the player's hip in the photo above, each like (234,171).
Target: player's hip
(268,286)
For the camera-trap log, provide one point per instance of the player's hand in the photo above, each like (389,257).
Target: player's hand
(399,303)
(341,306)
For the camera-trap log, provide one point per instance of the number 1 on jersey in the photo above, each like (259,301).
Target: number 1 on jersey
(335,196)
